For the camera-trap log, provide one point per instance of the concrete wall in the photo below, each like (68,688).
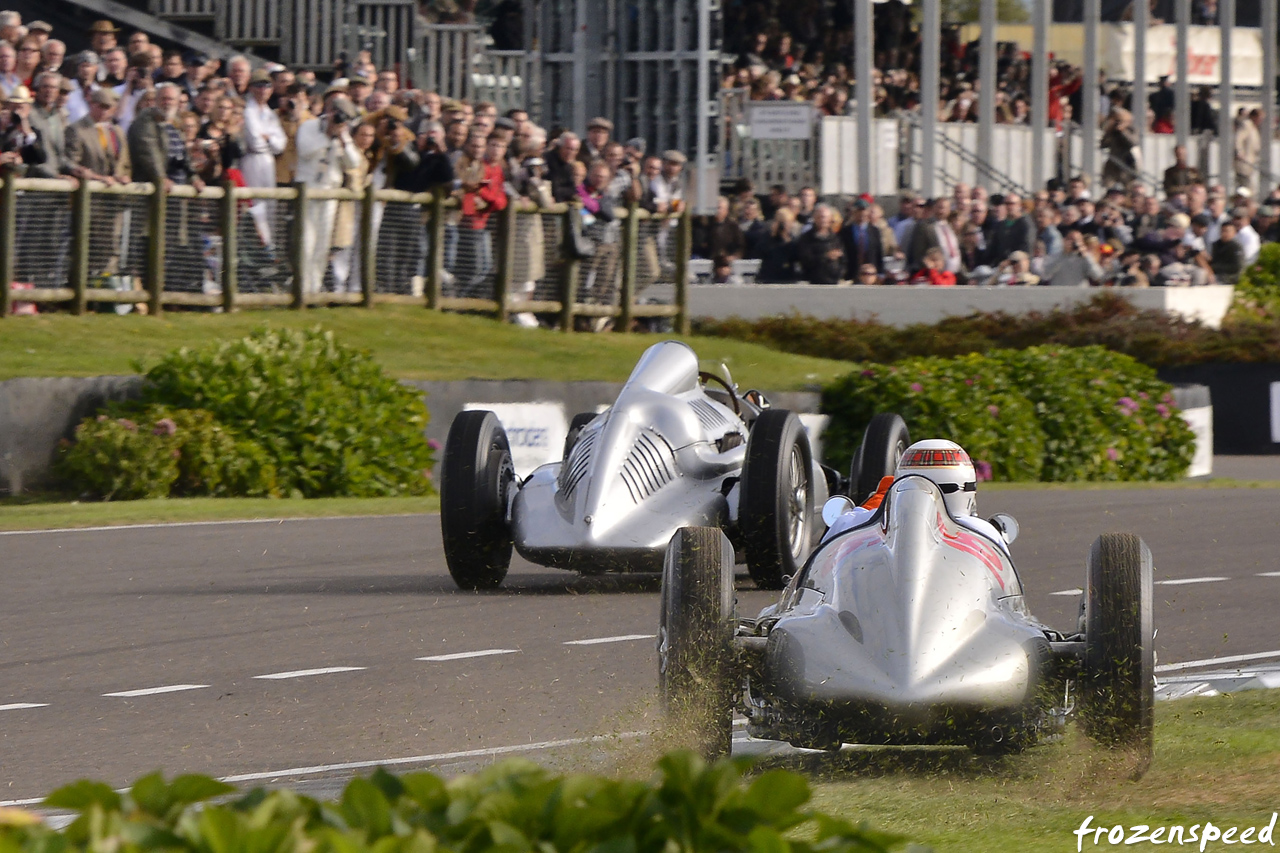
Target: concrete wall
(907,304)
(36,413)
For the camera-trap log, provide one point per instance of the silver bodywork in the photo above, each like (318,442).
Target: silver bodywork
(908,628)
(667,454)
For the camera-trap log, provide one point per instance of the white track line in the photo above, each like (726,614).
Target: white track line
(623,638)
(1184,581)
(1076,591)
(160,525)
(1196,664)
(303,673)
(152,691)
(22,706)
(437,757)
(483,653)
(1269,574)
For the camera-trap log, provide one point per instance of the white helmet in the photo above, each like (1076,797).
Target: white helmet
(946,464)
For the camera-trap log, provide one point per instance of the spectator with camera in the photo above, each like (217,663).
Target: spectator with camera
(325,152)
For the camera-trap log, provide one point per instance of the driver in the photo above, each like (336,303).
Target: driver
(948,466)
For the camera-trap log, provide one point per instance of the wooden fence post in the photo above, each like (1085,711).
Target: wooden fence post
(504,275)
(298,259)
(228,223)
(630,259)
(81,217)
(157,210)
(8,237)
(368,260)
(569,273)
(684,246)
(435,251)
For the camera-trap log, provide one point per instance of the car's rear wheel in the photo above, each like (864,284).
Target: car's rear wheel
(775,513)
(1117,696)
(695,637)
(475,483)
(884,441)
(579,421)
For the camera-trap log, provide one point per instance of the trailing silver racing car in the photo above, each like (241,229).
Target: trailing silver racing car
(678,448)
(907,625)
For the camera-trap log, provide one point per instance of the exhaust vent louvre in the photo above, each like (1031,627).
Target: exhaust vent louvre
(650,466)
(575,467)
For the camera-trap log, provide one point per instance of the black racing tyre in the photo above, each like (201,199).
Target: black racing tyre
(1117,691)
(695,637)
(575,429)
(883,443)
(475,483)
(775,504)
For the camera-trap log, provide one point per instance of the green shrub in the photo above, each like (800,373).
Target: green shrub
(512,807)
(967,399)
(1258,290)
(1049,413)
(120,458)
(329,419)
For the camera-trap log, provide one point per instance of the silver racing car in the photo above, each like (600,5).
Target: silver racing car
(678,448)
(906,625)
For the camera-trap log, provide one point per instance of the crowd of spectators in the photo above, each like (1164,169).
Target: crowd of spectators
(128,110)
(1069,234)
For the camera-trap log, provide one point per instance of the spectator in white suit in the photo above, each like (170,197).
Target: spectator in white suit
(264,141)
(325,153)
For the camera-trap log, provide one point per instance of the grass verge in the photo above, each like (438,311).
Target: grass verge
(1216,759)
(410,342)
(28,513)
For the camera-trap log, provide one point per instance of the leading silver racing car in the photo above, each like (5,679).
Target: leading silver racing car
(906,626)
(677,448)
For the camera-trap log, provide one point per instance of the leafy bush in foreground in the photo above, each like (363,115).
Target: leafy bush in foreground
(1151,337)
(278,412)
(1258,291)
(513,807)
(1044,413)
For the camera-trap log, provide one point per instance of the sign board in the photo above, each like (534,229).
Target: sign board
(1204,54)
(780,119)
(1200,420)
(536,431)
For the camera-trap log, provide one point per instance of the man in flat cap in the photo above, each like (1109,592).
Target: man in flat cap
(86,64)
(264,141)
(96,147)
(599,129)
(40,31)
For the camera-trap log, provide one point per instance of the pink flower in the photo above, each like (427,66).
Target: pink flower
(433,444)
(916,387)
(1162,409)
(101,418)
(982,470)
(994,411)
(165,426)
(969,382)
(868,373)
(128,424)
(1113,454)
(1144,395)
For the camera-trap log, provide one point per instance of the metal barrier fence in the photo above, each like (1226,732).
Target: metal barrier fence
(227,248)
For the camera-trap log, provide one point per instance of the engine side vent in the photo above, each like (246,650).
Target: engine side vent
(650,466)
(575,467)
(708,415)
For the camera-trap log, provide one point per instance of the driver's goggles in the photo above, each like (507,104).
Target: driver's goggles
(952,488)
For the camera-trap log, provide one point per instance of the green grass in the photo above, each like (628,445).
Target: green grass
(35,513)
(410,342)
(1216,760)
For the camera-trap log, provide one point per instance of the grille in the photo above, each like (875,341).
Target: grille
(649,467)
(575,467)
(708,415)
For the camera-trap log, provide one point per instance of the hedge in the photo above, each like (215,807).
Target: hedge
(279,412)
(1043,413)
(512,807)
(1249,334)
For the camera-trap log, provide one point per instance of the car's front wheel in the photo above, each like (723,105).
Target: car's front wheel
(695,637)
(884,441)
(776,506)
(1117,696)
(475,483)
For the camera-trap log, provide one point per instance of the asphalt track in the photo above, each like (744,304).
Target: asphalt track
(123,651)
